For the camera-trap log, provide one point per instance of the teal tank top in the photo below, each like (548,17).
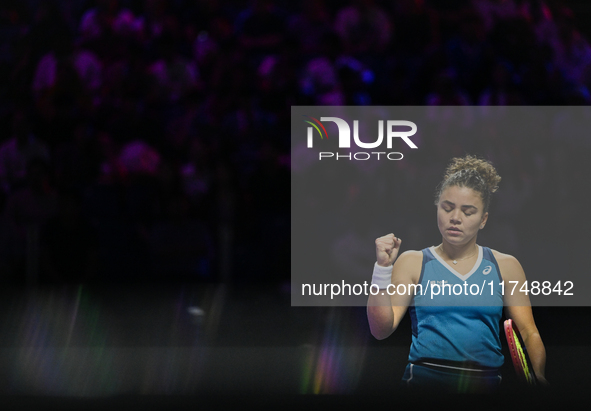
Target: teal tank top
(456,318)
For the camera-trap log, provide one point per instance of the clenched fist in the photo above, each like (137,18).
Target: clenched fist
(387,248)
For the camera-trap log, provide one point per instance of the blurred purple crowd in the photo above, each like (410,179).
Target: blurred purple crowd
(150,139)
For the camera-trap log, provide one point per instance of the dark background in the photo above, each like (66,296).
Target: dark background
(145,155)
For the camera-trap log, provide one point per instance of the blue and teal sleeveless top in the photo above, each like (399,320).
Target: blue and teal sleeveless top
(457,317)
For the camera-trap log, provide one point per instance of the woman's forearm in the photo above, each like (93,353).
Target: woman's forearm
(537,353)
(380,316)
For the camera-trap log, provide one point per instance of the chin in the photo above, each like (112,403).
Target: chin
(455,240)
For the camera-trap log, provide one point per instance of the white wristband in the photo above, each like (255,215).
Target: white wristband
(382,276)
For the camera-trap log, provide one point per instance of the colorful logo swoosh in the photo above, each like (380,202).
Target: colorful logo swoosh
(316,127)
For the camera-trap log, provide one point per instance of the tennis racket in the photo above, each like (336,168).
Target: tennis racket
(521,362)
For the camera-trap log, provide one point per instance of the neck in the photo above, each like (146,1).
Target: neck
(458,252)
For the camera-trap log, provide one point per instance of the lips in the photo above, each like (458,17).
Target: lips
(454,230)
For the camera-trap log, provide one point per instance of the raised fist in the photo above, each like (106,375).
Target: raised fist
(387,248)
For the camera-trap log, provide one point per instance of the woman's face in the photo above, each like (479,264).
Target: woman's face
(460,214)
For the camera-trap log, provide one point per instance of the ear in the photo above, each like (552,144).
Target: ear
(483,220)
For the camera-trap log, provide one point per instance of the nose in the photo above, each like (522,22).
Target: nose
(454,218)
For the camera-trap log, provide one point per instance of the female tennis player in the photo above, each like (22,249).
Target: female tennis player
(456,301)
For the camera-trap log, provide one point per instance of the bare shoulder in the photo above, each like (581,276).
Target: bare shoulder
(509,265)
(503,258)
(410,257)
(408,265)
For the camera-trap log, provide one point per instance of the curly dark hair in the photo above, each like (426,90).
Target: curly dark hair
(472,172)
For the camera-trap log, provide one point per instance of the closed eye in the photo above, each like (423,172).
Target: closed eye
(469,211)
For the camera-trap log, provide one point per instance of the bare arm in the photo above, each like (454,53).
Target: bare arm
(384,312)
(524,319)
(518,308)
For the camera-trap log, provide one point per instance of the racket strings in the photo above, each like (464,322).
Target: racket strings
(518,351)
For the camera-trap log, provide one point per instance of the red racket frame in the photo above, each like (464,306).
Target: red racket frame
(519,357)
